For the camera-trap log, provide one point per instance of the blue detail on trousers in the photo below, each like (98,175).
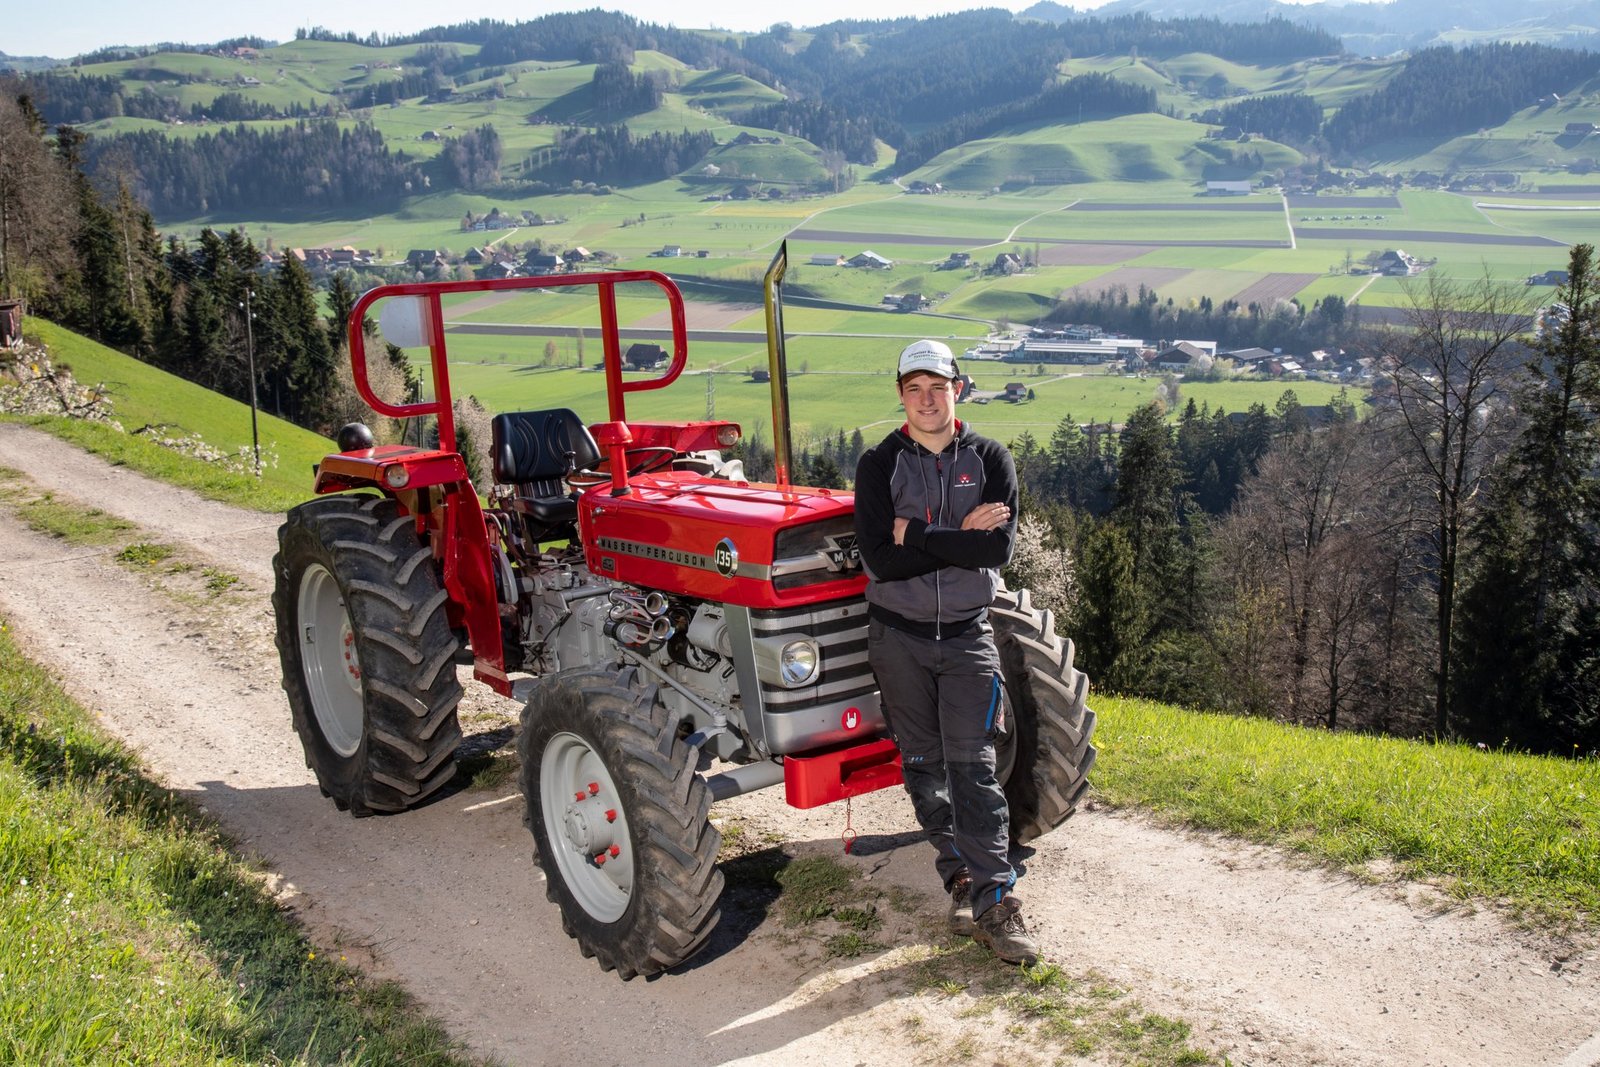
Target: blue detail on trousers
(941,701)
(962,809)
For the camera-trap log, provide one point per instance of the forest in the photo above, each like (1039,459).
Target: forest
(312,164)
(924,86)
(1288,325)
(1429,568)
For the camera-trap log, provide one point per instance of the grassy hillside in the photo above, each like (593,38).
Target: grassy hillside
(1478,825)
(1132,149)
(132,923)
(142,396)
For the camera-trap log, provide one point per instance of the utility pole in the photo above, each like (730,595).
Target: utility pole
(711,395)
(250,355)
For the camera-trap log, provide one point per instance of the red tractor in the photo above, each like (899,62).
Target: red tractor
(681,635)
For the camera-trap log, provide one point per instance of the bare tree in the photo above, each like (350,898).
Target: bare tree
(38,207)
(1449,365)
(1304,551)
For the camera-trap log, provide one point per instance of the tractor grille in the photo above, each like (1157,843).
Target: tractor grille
(814,553)
(840,630)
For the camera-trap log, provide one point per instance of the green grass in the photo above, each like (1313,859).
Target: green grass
(131,932)
(143,395)
(71,522)
(1482,825)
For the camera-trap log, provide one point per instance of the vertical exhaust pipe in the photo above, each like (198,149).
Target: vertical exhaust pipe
(777,367)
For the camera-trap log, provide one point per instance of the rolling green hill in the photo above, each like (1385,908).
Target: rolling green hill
(146,398)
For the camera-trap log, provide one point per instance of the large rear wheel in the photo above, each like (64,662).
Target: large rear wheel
(367,652)
(620,820)
(1044,756)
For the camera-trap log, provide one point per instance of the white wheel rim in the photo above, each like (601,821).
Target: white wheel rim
(587,826)
(328,655)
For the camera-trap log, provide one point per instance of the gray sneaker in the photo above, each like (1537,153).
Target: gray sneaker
(1002,931)
(960,917)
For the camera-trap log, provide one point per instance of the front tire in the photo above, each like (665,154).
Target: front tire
(367,653)
(621,822)
(1044,756)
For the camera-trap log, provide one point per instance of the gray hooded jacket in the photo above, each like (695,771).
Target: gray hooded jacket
(941,581)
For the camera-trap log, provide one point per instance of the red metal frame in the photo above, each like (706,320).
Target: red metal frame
(439,407)
(456,525)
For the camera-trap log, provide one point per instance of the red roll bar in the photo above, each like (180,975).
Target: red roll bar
(440,405)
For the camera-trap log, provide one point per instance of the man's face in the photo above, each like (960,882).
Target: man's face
(930,402)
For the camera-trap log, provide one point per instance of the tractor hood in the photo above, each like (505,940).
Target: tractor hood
(740,543)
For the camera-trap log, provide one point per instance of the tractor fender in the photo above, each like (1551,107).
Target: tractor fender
(457,530)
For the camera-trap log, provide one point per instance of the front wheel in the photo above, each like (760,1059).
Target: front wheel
(621,822)
(367,652)
(1044,756)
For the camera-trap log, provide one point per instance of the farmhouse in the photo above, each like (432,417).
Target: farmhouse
(1182,356)
(957,261)
(644,356)
(1397,263)
(540,263)
(1549,277)
(870,259)
(1015,391)
(1007,263)
(1250,358)
(425,259)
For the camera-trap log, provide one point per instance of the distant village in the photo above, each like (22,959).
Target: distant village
(1040,347)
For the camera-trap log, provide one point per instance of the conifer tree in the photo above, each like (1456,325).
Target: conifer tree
(1528,640)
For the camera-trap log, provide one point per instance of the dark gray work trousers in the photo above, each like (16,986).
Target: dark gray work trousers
(942,703)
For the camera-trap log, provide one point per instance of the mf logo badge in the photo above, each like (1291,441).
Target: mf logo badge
(843,553)
(726,558)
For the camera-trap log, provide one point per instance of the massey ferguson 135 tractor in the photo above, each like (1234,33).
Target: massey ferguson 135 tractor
(681,634)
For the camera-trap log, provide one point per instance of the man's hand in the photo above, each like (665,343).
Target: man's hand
(900,530)
(983,517)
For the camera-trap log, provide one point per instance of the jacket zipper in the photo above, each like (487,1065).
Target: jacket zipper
(938,587)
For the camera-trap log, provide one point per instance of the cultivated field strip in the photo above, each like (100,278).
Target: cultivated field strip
(1272,288)
(1325,233)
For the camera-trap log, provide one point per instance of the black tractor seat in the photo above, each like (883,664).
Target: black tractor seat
(535,451)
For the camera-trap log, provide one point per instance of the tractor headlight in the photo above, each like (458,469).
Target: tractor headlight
(797,662)
(788,660)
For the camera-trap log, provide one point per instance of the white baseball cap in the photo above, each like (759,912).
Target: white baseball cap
(934,357)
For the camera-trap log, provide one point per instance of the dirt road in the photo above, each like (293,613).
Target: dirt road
(1270,962)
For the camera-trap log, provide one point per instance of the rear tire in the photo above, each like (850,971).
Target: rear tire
(620,821)
(367,652)
(1045,754)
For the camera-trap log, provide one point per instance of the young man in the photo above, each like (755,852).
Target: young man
(935,520)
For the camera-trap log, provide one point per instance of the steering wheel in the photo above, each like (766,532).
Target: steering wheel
(640,461)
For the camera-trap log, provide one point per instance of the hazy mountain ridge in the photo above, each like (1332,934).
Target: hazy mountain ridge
(1379,28)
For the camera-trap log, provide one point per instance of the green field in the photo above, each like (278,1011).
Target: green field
(1004,192)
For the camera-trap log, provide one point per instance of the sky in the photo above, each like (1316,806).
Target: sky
(72,27)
